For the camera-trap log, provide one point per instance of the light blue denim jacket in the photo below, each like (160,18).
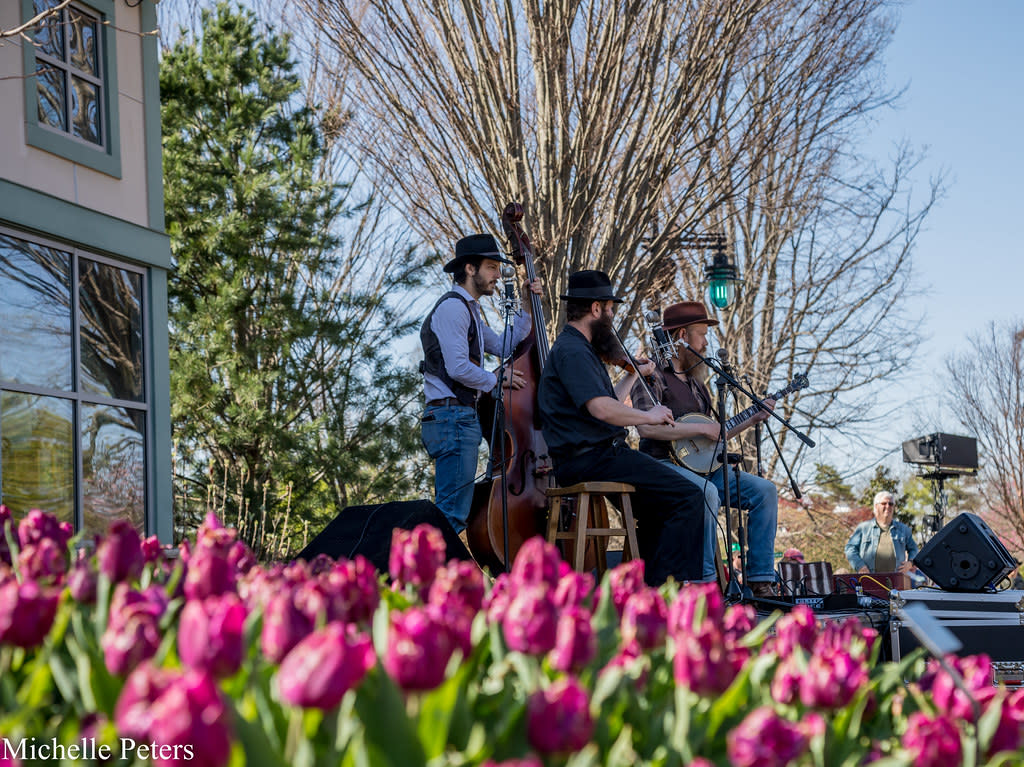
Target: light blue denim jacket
(863,544)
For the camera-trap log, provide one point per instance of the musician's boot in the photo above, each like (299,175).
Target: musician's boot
(764,589)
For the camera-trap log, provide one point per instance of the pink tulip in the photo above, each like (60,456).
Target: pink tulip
(458,585)
(832,679)
(645,619)
(531,621)
(797,628)
(698,600)
(705,662)
(284,625)
(574,589)
(210,571)
(190,723)
(786,683)
(763,739)
(415,556)
(133,629)
(624,580)
(558,718)
(152,551)
(352,591)
(40,525)
(324,666)
(1009,734)
(82,580)
(575,641)
(43,561)
(210,635)
(500,597)
(27,611)
(739,621)
(538,563)
(419,648)
(240,557)
(133,713)
(932,741)
(976,671)
(120,554)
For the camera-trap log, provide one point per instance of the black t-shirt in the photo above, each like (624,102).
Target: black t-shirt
(573,375)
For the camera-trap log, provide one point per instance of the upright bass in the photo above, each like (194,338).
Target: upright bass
(506,512)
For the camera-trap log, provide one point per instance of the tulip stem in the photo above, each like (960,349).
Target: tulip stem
(294,734)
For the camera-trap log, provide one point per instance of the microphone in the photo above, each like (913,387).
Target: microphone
(664,346)
(508,277)
(723,357)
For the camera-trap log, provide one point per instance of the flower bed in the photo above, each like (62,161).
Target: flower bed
(122,657)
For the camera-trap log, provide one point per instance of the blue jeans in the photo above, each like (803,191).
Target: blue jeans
(753,493)
(451,436)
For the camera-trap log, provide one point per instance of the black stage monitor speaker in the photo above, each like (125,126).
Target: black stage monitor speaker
(367,530)
(965,555)
(943,452)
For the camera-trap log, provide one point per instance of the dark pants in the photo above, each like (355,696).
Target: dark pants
(669,509)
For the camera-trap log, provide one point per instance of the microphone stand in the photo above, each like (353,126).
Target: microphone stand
(498,424)
(724,380)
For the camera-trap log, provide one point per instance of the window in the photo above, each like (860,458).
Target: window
(71,83)
(73,409)
(68,78)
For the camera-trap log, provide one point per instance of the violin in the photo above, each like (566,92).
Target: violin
(511,506)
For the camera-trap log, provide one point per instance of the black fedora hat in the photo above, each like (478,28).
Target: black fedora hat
(475,246)
(590,285)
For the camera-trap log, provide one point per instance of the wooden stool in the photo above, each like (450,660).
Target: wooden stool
(586,507)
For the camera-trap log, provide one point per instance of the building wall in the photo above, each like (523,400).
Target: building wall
(114,210)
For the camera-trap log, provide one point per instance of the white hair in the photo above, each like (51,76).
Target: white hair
(883,494)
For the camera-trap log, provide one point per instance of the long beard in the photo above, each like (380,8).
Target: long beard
(692,365)
(604,340)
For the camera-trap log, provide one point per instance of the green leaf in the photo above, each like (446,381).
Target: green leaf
(259,750)
(389,734)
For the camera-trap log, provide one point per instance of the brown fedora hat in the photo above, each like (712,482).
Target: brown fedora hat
(686,313)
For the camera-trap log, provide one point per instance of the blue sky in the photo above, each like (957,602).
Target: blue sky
(963,66)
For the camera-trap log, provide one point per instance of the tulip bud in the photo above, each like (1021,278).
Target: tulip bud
(323,667)
(132,636)
(644,619)
(43,561)
(284,626)
(190,717)
(210,635)
(82,580)
(538,563)
(133,714)
(27,611)
(574,589)
(831,680)
(415,556)
(795,629)
(120,554)
(499,598)
(210,570)
(575,641)
(38,525)
(932,741)
(458,585)
(558,718)
(764,739)
(352,592)
(531,621)
(625,579)
(419,648)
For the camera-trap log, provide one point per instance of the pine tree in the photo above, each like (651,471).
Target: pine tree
(285,405)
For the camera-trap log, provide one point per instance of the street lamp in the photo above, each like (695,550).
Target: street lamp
(721,277)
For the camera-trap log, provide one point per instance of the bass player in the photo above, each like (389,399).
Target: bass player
(679,386)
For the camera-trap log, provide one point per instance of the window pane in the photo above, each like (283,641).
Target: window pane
(113,467)
(83,42)
(85,110)
(37,467)
(35,314)
(50,87)
(49,34)
(111,330)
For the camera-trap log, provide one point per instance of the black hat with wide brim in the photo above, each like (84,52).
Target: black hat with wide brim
(590,285)
(475,246)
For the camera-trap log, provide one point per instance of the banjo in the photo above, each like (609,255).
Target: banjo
(703,455)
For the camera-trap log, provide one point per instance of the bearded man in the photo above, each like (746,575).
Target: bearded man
(583,424)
